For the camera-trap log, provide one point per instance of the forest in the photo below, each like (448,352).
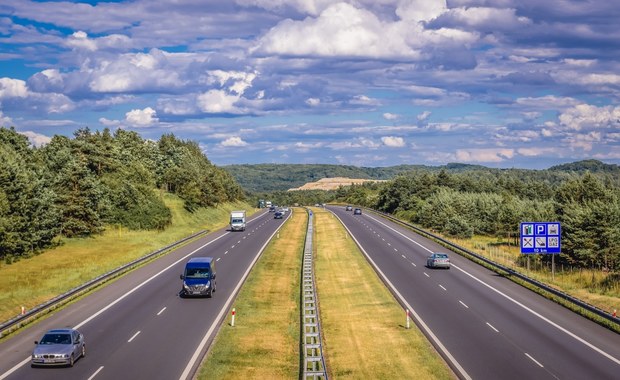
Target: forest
(75,187)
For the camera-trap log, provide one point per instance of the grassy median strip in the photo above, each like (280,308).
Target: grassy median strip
(363,325)
(32,281)
(264,343)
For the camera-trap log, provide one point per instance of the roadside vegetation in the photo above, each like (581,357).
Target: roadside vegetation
(79,187)
(364,327)
(36,279)
(264,343)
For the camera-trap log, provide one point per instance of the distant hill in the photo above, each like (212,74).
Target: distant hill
(592,166)
(258,178)
(276,177)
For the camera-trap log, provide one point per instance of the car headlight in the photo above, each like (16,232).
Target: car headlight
(185,286)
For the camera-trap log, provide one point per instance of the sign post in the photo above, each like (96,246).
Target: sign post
(541,238)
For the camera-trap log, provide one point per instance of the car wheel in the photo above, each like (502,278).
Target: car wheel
(71,361)
(83,351)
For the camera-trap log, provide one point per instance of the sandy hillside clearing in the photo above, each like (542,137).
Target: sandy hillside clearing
(332,183)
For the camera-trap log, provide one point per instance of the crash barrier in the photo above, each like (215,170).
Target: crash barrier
(314,363)
(498,267)
(26,316)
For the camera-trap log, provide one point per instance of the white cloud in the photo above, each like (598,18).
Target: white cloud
(142,118)
(393,142)
(484,155)
(217,101)
(390,116)
(234,141)
(313,102)
(585,116)
(547,102)
(80,40)
(340,30)
(424,115)
(36,139)
(365,100)
(5,121)
(135,72)
(421,10)
(12,88)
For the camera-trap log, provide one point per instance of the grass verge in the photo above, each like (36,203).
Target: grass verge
(363,325)
(31,281)
(264,343)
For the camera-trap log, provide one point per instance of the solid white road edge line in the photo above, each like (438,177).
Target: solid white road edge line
(534,360)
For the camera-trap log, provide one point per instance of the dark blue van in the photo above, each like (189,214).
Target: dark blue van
(199,277)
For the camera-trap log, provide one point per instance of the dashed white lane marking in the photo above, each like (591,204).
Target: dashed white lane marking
(491,326)
(426,274)
(462,303)
(414,264)
(218,259)
(133,337)
(441,286)
(226,252)
(403,256)
(161,311)
(95,374)
(534,360)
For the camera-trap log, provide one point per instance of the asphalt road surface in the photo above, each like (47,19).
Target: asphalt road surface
(138,327)
(484,325)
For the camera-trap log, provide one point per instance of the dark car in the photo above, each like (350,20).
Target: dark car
(349,208)
(438,260)
(357,211)
(59,347)
(199,277)
(278,215)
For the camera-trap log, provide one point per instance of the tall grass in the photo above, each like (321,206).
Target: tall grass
(363,325)
(34,280)
(594,286)
(264,343)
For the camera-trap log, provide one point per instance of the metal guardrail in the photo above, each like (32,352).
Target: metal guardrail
(22,319)
(575,301)
(314,363)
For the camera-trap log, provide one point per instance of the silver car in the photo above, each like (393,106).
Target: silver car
(438,260)
(59,347)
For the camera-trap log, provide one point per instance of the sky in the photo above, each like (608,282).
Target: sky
(500,83)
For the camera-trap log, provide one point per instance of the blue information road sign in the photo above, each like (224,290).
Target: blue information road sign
(540,237)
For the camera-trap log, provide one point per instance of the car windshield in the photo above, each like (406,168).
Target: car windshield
(237,220)
(197,273)
(56,339)
(441,256)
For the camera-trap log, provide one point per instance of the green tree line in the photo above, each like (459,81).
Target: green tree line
(74,187)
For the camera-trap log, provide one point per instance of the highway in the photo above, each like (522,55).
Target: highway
(138,327)
(484,325)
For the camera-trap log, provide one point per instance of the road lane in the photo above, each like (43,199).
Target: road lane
(488,326)
(171,329)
